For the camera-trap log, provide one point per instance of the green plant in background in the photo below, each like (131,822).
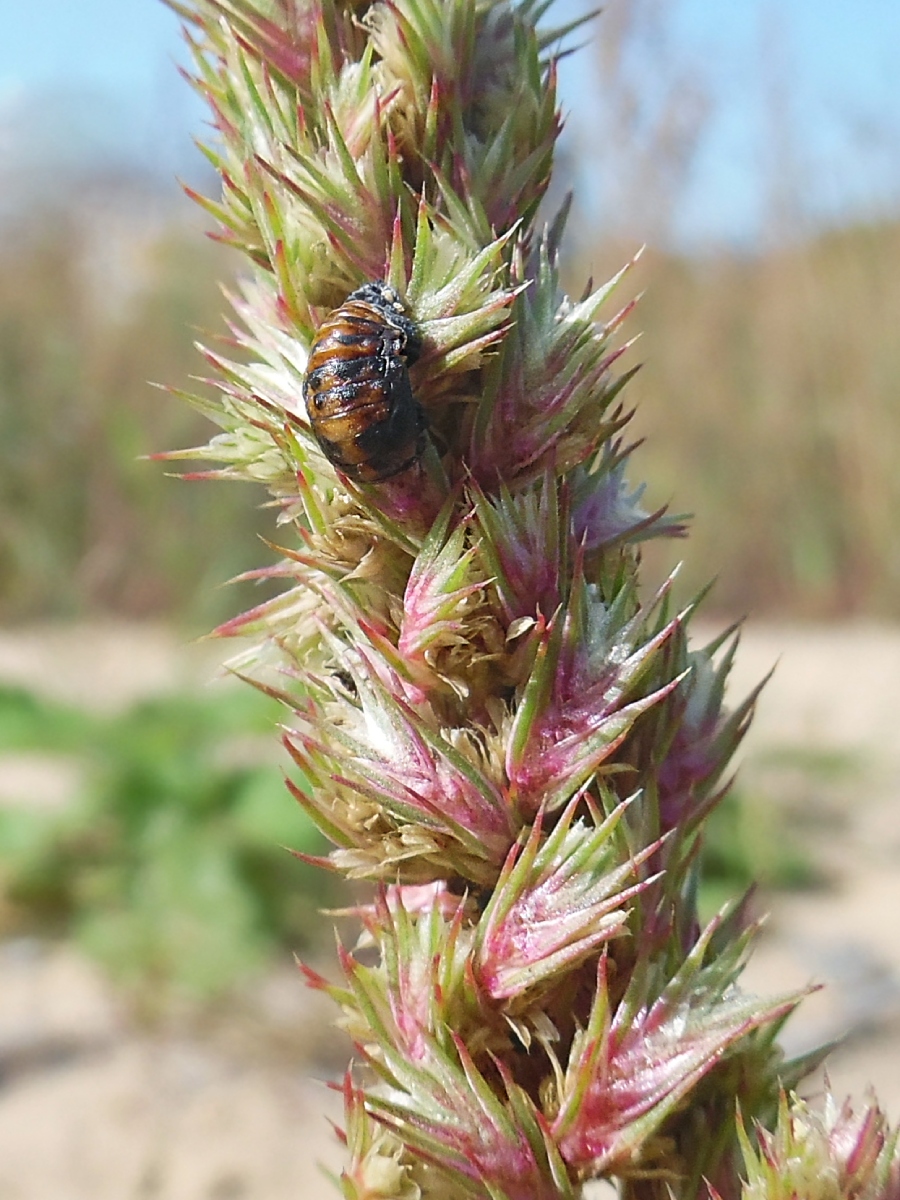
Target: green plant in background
(496,726)
(168,865)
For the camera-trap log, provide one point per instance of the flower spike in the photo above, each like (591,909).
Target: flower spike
(486,714)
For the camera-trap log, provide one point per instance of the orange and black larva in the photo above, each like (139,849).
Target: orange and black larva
(358,395)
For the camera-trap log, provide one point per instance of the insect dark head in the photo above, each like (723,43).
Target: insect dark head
(357,389)
(382,297)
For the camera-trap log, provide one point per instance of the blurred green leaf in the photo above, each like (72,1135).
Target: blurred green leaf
(171,865)
(30,723)
(747,842)
(186,914)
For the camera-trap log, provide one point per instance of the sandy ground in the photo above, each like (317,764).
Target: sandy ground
(93,1108)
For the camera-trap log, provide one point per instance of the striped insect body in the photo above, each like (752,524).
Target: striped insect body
(357,389)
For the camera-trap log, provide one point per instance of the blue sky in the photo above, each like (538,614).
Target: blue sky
(812,82)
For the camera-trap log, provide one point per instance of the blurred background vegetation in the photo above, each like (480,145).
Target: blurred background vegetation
(768,397)
(96,300)
(168,862)
(768,400)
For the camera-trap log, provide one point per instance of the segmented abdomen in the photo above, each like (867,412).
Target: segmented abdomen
(358,394)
